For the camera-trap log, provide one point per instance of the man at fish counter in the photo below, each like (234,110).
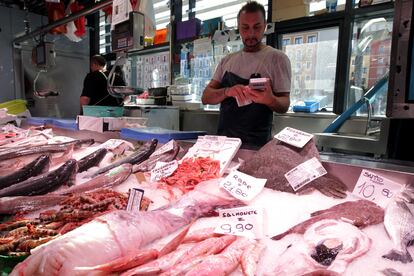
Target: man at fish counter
(250,84)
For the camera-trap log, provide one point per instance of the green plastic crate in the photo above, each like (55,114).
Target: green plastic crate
(15,106)
(103,111)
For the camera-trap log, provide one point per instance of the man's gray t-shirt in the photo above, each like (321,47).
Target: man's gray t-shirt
(268,62)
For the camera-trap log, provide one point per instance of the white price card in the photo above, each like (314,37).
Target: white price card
(306,172)
(163,169)
(374,187)
(294,137)
(211,142)
(242,186)
(134,200)
(245,221)
(164,148)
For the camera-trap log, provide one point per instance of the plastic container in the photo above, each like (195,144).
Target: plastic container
(38,121)
(15,106)
(103,111)
(308,107)
(65,123)
(163,135)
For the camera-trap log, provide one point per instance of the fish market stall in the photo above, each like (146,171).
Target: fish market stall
(73,205)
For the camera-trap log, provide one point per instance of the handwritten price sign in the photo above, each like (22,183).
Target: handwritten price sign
(165,148)
(211,142)
(163,169)
(294,137)
(374,187)
(245,221)
(242,186)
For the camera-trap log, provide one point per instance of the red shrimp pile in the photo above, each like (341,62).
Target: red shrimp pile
(191,172)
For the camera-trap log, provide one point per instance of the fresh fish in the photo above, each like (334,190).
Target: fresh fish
(50,148)
(112,178)
(142,257)
(135,158)
(223,263)
(360,213)
(250,258)
(391,272)
(150,163)
(119,233)
(12,205)
(298,258)
(399,223)
(200,235)
(198,253)
(92,159)
(43,183)
(276,158)
(36,167)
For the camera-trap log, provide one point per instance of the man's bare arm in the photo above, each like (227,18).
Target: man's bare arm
(213,93)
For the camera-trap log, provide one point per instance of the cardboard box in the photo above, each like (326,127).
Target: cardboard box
(290,13)
(283,4)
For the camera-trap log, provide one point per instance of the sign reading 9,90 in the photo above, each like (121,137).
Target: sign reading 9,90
(375,187)
(245,221)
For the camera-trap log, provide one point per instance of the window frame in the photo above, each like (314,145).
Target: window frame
(344,21)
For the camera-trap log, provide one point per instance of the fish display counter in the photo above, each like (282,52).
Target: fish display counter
(72,205)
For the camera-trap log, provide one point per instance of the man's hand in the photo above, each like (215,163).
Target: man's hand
(279,103)
(239,93)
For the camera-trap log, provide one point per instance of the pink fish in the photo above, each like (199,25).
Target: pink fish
(200,235)
(250,258)
(224,263)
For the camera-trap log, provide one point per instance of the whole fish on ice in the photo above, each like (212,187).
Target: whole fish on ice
(36,167)
(135,158)
(360,213)
(276,158)
(399,223)
(120,233)
(43,183)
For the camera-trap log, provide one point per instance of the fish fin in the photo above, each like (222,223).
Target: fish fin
(399,256)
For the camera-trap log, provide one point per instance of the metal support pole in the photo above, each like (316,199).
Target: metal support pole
(44,29)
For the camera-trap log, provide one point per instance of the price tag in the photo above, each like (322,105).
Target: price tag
(211,142)
(242,186)
(294,137)
(163,169)
(165,148)
(134,200)
(304,173)
(245,221)
(374,187)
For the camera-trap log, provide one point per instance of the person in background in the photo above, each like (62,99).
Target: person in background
(252,123)
(95,90)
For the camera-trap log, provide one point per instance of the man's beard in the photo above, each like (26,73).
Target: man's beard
(249,45)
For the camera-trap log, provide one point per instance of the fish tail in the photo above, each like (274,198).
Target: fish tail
(395,255)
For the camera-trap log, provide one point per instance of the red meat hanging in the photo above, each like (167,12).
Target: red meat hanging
(56,11)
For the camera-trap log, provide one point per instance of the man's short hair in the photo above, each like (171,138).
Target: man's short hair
(98,60)
(251,7)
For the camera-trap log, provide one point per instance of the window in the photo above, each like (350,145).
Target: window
(286,42)
(207,9)
(320,62)
(371,53)
(298,40)
(311,38)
